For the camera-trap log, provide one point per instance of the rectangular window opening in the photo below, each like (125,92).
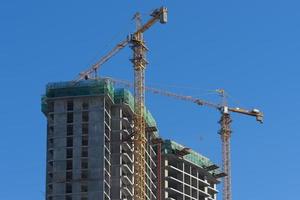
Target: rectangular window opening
(51,116)
(84,174)
(68,187)
(85,116)
(69,176)
(70,117)
(84,164)
(70,105)
(85,140)
(50,187)
(69,142)
(85,106)
(69,165)
(84,152)
(84,187)
(51,106)
(51,153)
(51,143)
(69,130)
(85,129)
(69,153)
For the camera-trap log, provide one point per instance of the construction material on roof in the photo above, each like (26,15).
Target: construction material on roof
(171,147)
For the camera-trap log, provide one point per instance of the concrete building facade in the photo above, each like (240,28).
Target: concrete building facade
(187,175)
(78,144)
(90,149)
(89,146)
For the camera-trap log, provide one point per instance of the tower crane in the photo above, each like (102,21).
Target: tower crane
(139,63)
(225,123)
(137,43)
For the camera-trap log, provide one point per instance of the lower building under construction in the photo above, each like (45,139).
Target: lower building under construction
(90,149)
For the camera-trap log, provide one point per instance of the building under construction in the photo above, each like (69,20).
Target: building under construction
(90,149)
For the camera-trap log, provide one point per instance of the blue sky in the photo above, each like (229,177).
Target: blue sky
(249,48)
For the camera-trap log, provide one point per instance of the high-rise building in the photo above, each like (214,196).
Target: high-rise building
(90,149)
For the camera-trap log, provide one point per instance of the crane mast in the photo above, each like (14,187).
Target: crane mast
(225,133)
(139,64)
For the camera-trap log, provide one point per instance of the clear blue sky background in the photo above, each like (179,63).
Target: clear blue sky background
(250,48)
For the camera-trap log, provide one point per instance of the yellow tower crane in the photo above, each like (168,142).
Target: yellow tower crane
(139,63)
(225,122)
(225,133)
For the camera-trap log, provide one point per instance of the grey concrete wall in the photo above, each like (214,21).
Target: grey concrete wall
(120,131)
(107,155)
(95,147)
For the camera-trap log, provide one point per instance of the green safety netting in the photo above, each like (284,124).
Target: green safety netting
(81,88)
(124,96)
(170,147)
(92,87)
